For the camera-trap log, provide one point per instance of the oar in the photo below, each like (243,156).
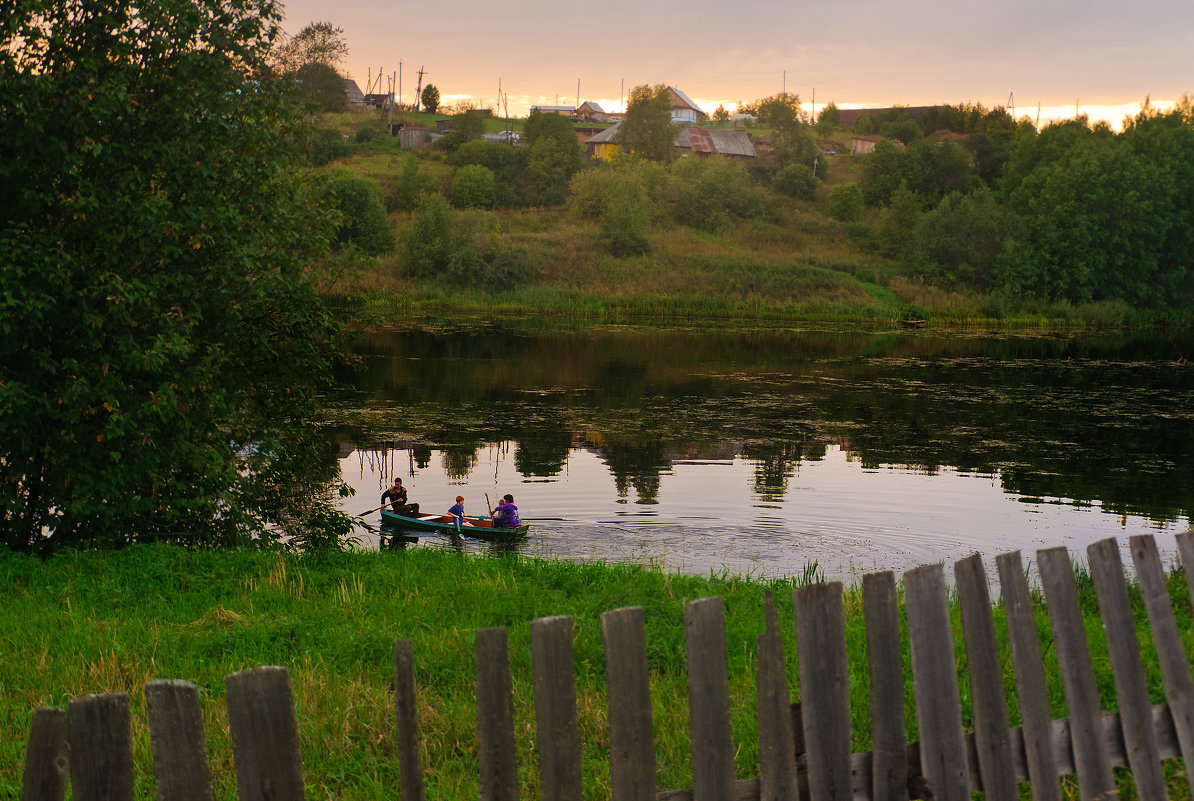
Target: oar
(367,511)
(488,505)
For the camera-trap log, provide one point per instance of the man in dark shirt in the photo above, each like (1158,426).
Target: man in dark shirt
(396,495)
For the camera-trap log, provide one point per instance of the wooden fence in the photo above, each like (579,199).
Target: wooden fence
(804,751)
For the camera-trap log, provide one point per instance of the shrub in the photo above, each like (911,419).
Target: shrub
(429,243)
(844,203)
(326,146)
(364,222)
(796,180)
(473,187)
(712,192)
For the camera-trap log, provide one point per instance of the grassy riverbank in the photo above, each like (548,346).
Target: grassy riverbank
(101,622)
(790,262)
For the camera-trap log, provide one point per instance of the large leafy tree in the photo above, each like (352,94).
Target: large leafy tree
(648,130)
(158,344)
(317,43)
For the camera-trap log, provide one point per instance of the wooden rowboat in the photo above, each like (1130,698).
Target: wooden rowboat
(482,528)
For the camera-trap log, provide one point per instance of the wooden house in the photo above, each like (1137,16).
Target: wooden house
(683,109)
(353,93)
(591,112)
(715,142)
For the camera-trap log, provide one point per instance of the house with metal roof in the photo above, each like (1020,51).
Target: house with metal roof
(683,109)
(591,112)
(565,111)
(353,93)
(715,142)
(602,147)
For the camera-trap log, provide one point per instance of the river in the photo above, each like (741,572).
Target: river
(777,452)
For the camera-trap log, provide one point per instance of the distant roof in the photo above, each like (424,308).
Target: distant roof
(596,107)
(569,109)
(686,99)
(716,140)
(605,137)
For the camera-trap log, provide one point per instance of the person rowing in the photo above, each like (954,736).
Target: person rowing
(506,513)
(398,500)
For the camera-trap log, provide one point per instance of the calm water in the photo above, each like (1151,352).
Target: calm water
(762,451)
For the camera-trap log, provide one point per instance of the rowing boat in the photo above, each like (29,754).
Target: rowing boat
(481,529)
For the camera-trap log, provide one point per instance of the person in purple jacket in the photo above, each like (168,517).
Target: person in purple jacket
(506,513)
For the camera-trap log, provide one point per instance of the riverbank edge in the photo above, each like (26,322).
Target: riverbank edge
(86,622)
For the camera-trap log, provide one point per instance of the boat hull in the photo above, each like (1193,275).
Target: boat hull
(404,523)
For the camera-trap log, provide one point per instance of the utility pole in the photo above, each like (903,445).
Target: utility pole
(419,91)
(576,105)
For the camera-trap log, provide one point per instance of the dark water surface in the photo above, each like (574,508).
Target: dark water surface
(762,451)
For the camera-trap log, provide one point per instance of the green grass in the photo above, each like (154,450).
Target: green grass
(101,622)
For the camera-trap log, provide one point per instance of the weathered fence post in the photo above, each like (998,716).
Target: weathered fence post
(410,767)
(496,755)
(631,737)
(47,758)
(269,765)
(885,665)
(180,767)
(824,689)
(1032,692)
(935,685)
(101,748)
(777,744)
(1091,760)
(1131,687)
(554,679)
(988,698)
(1171,653)
(713,774)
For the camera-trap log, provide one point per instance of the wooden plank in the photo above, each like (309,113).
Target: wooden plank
(777,746)
(554,682)
(935,684)
(410,765)
(1032,691)
(824,688)
(47,757)
(712,743)
(265,745)
(988,701)
(180,768)
(496,756)
(101,748)
(631,736)
(1077,674)
(885,663)
(1131,687)
(1171,653)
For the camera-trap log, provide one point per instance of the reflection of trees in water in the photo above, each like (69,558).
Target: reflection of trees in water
(638,465)
(459,461)
(422,456)
(775,463)
(543,451)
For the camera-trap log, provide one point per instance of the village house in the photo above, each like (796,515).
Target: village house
(683,109)
(590,111)
(701,141)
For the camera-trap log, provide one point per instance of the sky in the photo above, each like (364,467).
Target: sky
(1096,57)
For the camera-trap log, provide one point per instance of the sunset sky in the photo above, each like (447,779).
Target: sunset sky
(1101,56)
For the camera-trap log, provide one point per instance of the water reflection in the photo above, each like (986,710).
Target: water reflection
(1064,431)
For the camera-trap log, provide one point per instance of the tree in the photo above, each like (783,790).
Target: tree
(781,112)
(158,347)
(647,130)
(473,187)
(554,158)
(829,118)
(844,203)
(321,87)
(363,220)
(317,43)
(721,115)
(795,180)
(430,98)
